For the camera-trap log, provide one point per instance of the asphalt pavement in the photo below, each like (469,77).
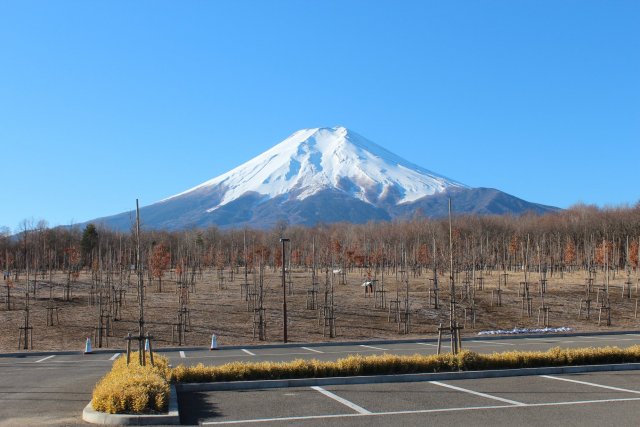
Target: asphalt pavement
(594,399)
(53,388)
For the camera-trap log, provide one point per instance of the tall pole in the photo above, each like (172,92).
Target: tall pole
(284,293)
(453,325)
(140,289)
(451,279)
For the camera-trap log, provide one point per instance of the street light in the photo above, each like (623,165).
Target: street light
(284,293)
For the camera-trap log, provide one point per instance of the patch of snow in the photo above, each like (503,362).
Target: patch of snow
(312,160)
(518,331)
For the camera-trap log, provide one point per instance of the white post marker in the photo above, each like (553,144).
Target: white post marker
(182,355)
(87,346)
(214,342)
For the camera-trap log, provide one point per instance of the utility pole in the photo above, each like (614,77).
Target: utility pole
(284,293)
(141,354)
(452,313)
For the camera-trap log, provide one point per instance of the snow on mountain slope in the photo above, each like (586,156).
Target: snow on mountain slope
(313,160)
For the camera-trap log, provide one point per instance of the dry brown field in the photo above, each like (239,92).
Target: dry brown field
(223,311)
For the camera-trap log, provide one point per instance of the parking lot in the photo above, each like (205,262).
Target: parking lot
(53,388)
(593,399)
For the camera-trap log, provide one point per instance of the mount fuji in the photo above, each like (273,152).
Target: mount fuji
(321,175)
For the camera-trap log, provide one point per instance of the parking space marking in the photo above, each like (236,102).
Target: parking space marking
(311,349)
(269,420)
(375,348)
(491,342)
(419,411)
(182,355)
(345,402)
(426,343)
(605,338)
(477,393)
(248,352)
(114,357)
(599,339)
(45,358)
(591,384)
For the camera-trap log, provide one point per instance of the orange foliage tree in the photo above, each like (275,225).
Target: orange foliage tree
(633,254)
(604,253)
(160,259)
(569,253)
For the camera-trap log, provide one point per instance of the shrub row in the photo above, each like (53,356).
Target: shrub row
(134,388)
(137,389)
(393,364)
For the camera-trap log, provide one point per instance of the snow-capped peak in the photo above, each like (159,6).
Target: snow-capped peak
(317,159)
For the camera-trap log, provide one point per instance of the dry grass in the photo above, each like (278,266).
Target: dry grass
(133,388)
(393,364)
(224,311)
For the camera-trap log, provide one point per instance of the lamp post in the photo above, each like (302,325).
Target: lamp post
(284,293)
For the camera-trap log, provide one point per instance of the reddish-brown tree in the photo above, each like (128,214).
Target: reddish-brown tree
(160,259)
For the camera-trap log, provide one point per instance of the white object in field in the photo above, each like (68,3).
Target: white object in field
(368,283)
(338,271)
(214,342)
(518,331)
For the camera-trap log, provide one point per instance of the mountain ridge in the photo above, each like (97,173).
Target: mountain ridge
(321,175)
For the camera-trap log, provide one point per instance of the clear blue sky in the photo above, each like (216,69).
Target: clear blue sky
(105,102)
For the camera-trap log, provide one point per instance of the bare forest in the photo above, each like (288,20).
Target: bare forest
(577,268)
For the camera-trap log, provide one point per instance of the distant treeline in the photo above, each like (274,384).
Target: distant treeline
(581,236)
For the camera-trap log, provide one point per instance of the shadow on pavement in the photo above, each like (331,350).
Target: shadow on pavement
(196,407)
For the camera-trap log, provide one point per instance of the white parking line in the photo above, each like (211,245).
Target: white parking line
(491,342)
(375,348)
(114,357)
(426,343)
(477,393)
(248,352)
(43,359)
(345,402)
(420,411)
(312,349)
(600,339)
(182,355)
(591,384)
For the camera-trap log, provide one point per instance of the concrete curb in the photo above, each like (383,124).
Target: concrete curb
(329,344)
(172,417)
(374,379)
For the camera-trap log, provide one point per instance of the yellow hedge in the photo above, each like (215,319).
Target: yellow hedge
(133,388)
(393,364)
